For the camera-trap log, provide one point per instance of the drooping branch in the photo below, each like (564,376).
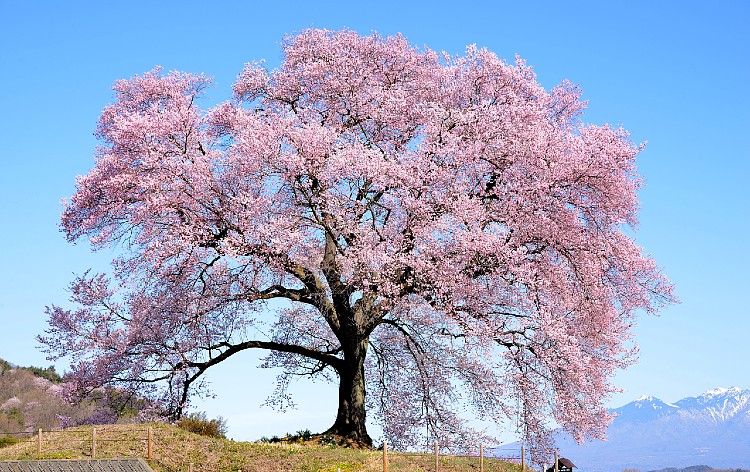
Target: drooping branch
(327,358)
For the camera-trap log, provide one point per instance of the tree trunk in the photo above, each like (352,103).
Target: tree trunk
(350,419)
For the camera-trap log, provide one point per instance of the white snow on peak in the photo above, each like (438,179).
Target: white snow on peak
(717,391)
(721,391)
(656,402)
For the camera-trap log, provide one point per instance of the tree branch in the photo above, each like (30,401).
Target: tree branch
(324,357)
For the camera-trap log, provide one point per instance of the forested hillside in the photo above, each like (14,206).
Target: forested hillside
(30,398)
(33,398)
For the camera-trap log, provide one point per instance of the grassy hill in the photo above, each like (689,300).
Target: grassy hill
(29,401)
(174,449)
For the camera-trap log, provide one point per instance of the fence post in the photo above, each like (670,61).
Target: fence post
(39,443)
(481,458)
(385,456)
(556,458)
(93,443)
(523,458)
(436,456)
(150,441)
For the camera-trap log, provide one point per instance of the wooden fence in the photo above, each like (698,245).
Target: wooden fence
(480,458)
(89,439)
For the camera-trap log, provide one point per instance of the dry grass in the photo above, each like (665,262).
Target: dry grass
(174,450)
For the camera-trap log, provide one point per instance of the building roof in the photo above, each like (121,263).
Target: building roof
(90,465)
(562,462)
(566,462)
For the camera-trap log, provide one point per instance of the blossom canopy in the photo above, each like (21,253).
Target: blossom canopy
(427,231)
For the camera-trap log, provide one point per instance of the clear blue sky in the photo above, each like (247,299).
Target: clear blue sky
(673,73)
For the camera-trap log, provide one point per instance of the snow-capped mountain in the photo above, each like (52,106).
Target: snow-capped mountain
(722,404)
(645,409)
(649,434)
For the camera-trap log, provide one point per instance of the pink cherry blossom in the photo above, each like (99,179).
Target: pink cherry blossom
(430,232)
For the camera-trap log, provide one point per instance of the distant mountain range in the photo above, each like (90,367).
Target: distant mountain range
(649,434)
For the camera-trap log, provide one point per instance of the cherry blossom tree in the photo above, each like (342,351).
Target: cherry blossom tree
(430,232)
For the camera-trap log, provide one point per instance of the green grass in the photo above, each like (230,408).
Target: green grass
(174,449)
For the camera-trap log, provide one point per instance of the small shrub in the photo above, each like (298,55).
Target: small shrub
(7,441)
(200,424)
(329,441)
(267,440)
(300,436)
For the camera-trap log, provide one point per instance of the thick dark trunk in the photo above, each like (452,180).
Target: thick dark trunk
(350,419)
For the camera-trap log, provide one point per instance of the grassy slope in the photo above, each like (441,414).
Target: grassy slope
(174,449)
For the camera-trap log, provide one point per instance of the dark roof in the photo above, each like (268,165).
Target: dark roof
(566,462)
(562,462)
(91,465)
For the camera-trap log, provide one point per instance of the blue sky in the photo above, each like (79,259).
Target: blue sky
(673,73)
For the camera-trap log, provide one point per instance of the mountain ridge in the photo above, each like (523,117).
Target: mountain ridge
(650,434)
